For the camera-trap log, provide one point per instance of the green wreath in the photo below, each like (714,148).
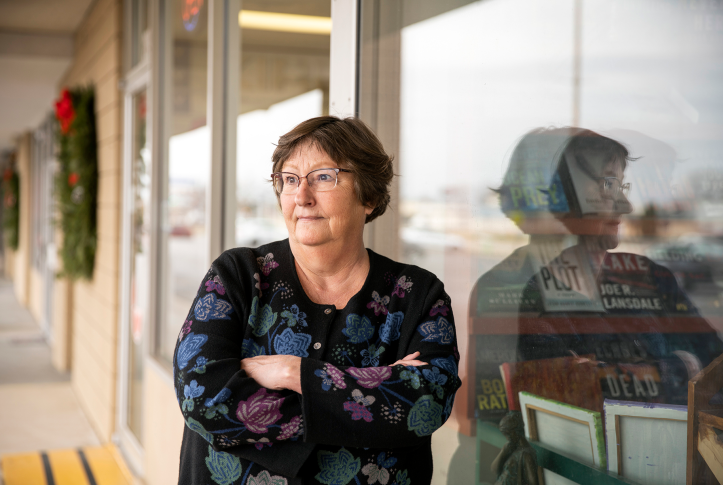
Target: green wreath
(11,209)
(76,183)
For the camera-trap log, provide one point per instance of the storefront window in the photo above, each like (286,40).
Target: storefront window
(560,172)
(184,238)
(284,79)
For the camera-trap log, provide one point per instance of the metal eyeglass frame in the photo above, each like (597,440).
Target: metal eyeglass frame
(623,188)
(276,175)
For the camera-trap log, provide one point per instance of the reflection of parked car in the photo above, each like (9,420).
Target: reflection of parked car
(695,260)
(181,231)
(251,233)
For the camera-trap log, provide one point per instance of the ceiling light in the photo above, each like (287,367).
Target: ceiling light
(284,22)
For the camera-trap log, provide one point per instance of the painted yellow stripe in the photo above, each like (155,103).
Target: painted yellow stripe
(106,470)
(67,467)
(23,469)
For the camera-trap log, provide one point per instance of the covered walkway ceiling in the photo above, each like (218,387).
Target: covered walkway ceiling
(36,47)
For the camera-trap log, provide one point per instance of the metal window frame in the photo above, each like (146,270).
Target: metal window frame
(223,95)
(137,79)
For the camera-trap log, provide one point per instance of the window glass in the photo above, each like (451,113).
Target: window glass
(140,290)
(185,240)
(560,172)
(284,79)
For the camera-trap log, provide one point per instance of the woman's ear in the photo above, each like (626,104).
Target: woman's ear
(368,209)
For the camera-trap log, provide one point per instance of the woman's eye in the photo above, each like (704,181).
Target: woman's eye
(291,180)
(323,177)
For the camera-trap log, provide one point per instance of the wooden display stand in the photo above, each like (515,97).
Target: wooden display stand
(705,424)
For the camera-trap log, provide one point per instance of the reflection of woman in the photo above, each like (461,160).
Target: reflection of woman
(622,309)
(348,360)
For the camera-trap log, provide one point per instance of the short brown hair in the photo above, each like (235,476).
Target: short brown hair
(352,145)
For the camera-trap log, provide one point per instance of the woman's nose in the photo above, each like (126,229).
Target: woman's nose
(304,194)
(623,205)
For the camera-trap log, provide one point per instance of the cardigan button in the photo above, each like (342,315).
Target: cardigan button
(327,311)
(317,345)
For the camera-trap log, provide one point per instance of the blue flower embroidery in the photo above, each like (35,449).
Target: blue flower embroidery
(225,468)
(411,374)
(249,348)
(189,348)
(358,329)
(389,331)
(434,376)
(290,343)
(425,417)
(194,390)
(220,397)
(294,316)
(402,478)
(261,323)
(440,331)
(212,308)
(436,380)
(446,363)
(337,468)
(194,425)
(326,381)
(216,405)
(371,356)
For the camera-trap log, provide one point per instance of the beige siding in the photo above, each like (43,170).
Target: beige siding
(163,427)
(92,306)
(36,294)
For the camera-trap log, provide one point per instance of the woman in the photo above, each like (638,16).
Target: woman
(621,313)
(313,359)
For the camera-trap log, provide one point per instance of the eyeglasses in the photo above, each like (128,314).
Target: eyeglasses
(319,180)
(611,187)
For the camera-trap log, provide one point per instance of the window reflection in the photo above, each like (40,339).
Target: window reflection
(514,117)
(284,80)
(185,239)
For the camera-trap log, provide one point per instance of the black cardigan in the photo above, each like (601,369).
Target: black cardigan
(357,419)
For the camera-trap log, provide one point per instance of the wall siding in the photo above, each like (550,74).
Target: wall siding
(93,305)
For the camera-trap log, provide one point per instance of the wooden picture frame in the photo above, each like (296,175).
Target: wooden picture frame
(646,441)
(567,429)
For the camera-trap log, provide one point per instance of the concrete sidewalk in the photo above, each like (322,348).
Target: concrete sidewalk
(38,408)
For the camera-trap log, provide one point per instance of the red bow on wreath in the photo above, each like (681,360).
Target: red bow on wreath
(64,111)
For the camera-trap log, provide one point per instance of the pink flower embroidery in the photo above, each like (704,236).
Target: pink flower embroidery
(378,303)
(370,377)
(184,330)
(358,411)
(260,285)
(290,429)
(336,376)
(439,307)
(215,284)
(260,443)
(267,263)
(260,411)
(402,286)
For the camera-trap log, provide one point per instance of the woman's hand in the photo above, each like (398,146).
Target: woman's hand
(274,371)
(411,359)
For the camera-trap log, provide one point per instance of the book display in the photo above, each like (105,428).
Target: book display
(598,348)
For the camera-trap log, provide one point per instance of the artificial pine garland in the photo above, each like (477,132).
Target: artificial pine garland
(11,211)
(76,183)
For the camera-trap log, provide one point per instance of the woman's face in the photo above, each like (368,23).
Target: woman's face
(605,223)
(317,218)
